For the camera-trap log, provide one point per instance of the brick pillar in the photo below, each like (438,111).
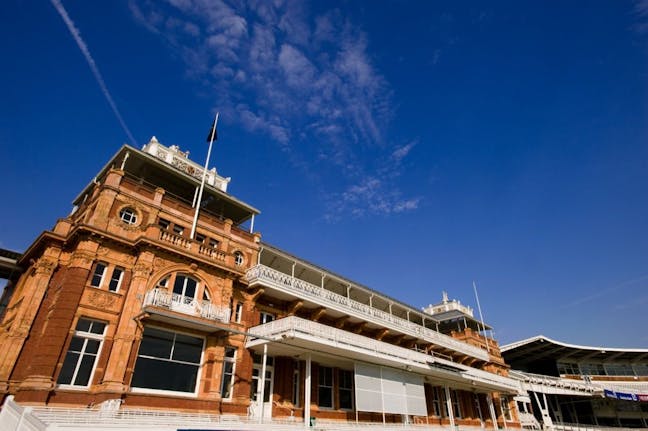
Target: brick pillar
(52,326)
(27,298)
(127,330)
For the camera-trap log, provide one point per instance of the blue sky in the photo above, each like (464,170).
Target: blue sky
(411,146)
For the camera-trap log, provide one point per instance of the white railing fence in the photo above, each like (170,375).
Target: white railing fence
(186,305)
(14,417)
(325,297)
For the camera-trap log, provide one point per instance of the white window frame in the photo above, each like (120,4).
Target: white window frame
(239,259)
(163,223)
(238,312)
(104,265)
(119,279)
(184,285)
(139,390)
(330,388)
(86,336)
(128,215)
(296,385)
(349,389)
(178,230)
(456,404)
(506,409)
(436,402)
(266,317)
(231,376)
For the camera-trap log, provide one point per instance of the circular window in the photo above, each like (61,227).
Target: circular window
(238,258)
(128,215)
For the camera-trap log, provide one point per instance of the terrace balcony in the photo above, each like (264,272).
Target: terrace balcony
(292,336)
(194,247)
(191,312)
(293,287)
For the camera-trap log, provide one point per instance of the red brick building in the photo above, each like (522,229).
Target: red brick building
(119,301)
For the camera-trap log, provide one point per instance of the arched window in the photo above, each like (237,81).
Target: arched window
(185,286)
(182,285)
(238,258)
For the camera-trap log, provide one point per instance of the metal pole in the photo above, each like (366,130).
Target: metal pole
(481,316)
(202,183)
(252,224)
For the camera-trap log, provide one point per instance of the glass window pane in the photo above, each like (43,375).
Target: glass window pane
(76,344)
(85,369)
(178,286)
(325,397)
(345,399)
(190,290)
(164,375)
(98,275)
(187,348)
(83,325)
(115,280)
(67,371)
(156,343)
(254,389)
(97,328)
(92,346)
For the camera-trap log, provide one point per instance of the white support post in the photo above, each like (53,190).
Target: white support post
(479,411)
(307,391)
(491,408)
(449,407)
(262,379)
(252,224)
(123,164)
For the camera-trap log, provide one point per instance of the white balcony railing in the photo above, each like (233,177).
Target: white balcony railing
(186,305)
(293,326)
(278,280)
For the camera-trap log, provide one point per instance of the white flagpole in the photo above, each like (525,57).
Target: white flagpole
(202,183)
(481,316)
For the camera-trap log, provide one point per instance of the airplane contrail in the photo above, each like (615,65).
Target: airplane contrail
(93,66)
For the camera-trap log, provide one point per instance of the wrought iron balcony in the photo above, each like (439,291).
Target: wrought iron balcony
(186,305)
(266,276)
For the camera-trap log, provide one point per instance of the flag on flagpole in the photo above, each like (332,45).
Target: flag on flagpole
(212,132)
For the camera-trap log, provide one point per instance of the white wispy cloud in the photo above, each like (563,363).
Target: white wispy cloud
(93,66)
(306,81)
(610,293)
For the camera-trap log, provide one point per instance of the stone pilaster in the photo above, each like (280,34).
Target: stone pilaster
(127,330)
(53,324)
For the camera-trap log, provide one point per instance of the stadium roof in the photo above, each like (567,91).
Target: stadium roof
(541,347)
